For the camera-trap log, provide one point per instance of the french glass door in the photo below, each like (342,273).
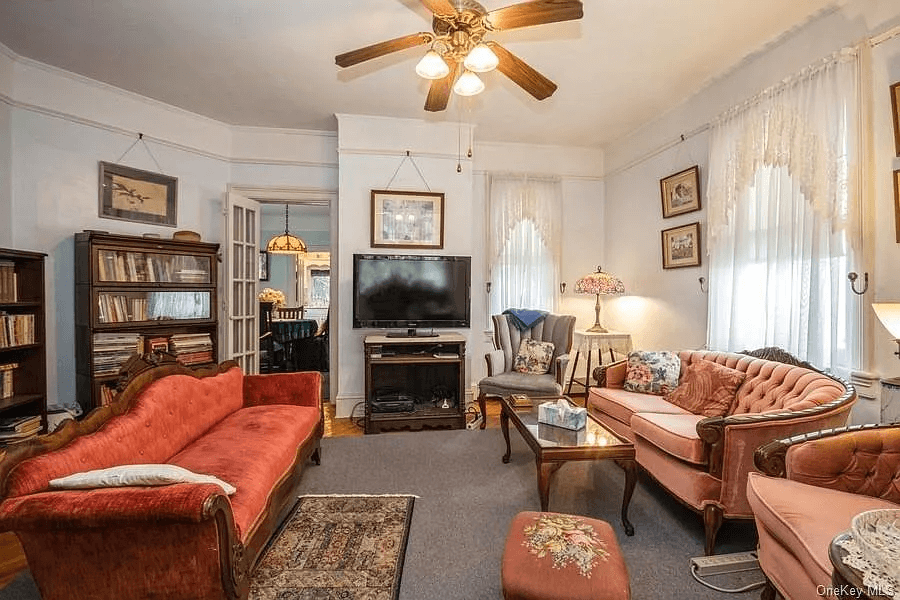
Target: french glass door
(241,324)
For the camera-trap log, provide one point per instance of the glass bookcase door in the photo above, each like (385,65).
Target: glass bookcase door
(147,267)
(153,306)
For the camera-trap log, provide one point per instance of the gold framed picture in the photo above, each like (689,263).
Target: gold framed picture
(895,111)
(129,194)
(680,192)
(681,246)
(407,219)
(897,204)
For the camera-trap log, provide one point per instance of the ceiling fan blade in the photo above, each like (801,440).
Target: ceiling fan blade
(439,92)
(522,75)
(348,59)
(442,8)
(536,12)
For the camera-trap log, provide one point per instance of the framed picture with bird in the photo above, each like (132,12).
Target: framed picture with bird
(130,194)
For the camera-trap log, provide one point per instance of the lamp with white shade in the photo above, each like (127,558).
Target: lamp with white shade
(889,315)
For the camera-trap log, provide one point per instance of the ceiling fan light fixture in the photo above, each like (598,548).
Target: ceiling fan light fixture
(468,84)
(481,59)
(432,66)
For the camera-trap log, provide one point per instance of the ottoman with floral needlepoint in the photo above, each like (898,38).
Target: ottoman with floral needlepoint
(552,556)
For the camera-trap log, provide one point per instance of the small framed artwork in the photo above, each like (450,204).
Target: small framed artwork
(129,194)
(263,265)
(681,246)
(407,219)
(895,110)
(680,192)
(897,204)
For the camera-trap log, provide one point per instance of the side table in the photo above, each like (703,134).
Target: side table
(588,341)
(847,582)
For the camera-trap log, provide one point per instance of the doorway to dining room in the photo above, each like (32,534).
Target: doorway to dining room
(301,282)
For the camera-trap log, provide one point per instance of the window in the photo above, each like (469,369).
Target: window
(523,242)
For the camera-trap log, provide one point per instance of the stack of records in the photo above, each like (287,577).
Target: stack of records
(111,350)
(19,428)
(191,348)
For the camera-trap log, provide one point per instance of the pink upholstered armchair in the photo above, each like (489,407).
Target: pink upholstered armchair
(814,484)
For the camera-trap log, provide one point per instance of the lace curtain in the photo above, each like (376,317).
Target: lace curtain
(784,218)
(523,241)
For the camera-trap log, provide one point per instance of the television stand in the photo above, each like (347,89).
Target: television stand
(415,383)
(412,332)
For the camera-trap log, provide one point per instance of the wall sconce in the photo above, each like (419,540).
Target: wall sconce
(853,277)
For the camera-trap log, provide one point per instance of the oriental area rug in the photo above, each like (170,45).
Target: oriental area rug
(335,546)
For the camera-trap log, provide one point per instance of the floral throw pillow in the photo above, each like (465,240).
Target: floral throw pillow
(707,388)
(533,357)
(652,372)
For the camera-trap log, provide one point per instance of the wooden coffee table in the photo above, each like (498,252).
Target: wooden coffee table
(553,446)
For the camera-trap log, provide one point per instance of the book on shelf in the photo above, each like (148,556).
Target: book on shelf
(19,428)
(16,330)
(6,380)
(8,289)
(520,401)
(107,395)
(158,344)
(21,423)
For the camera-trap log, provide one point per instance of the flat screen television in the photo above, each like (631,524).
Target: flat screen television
(411,291)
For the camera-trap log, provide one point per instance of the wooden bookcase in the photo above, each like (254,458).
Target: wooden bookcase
(137,294)
(409,381)
(23,349)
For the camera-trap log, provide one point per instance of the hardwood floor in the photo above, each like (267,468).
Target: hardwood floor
(12,558)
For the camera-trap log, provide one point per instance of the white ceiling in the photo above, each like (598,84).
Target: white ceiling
(271,63)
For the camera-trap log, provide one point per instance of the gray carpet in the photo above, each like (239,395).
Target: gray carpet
(468,496)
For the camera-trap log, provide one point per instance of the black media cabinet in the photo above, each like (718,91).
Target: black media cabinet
(414,383)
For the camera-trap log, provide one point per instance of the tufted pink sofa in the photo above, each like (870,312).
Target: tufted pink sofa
(812,487)
(704,461)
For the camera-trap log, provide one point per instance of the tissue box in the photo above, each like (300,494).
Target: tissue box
(562,414)
(560,435)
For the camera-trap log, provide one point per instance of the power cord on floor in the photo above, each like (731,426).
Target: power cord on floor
(357,419)
(746,588)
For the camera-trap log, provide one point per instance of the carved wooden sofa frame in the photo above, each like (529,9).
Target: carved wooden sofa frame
(711,431)
(237,559)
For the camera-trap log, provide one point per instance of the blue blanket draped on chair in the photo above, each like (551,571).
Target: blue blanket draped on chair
(525,318)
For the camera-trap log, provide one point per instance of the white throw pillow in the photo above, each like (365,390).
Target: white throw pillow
(128,475)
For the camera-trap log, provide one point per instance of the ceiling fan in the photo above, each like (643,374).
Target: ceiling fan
(459,50)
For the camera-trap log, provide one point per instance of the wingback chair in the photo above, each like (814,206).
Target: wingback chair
(814,484)
(502,380)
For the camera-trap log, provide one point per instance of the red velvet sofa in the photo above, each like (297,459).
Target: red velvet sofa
(184,540)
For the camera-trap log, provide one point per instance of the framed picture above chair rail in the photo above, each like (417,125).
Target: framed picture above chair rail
(681,246)
(402,219)
(895,111)
(680,192)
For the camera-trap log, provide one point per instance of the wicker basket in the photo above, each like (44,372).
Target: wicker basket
(878,534)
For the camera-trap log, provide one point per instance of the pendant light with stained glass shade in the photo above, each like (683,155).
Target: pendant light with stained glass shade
(286,243)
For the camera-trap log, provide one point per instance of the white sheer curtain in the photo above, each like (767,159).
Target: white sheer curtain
(524,214)
(784,226)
